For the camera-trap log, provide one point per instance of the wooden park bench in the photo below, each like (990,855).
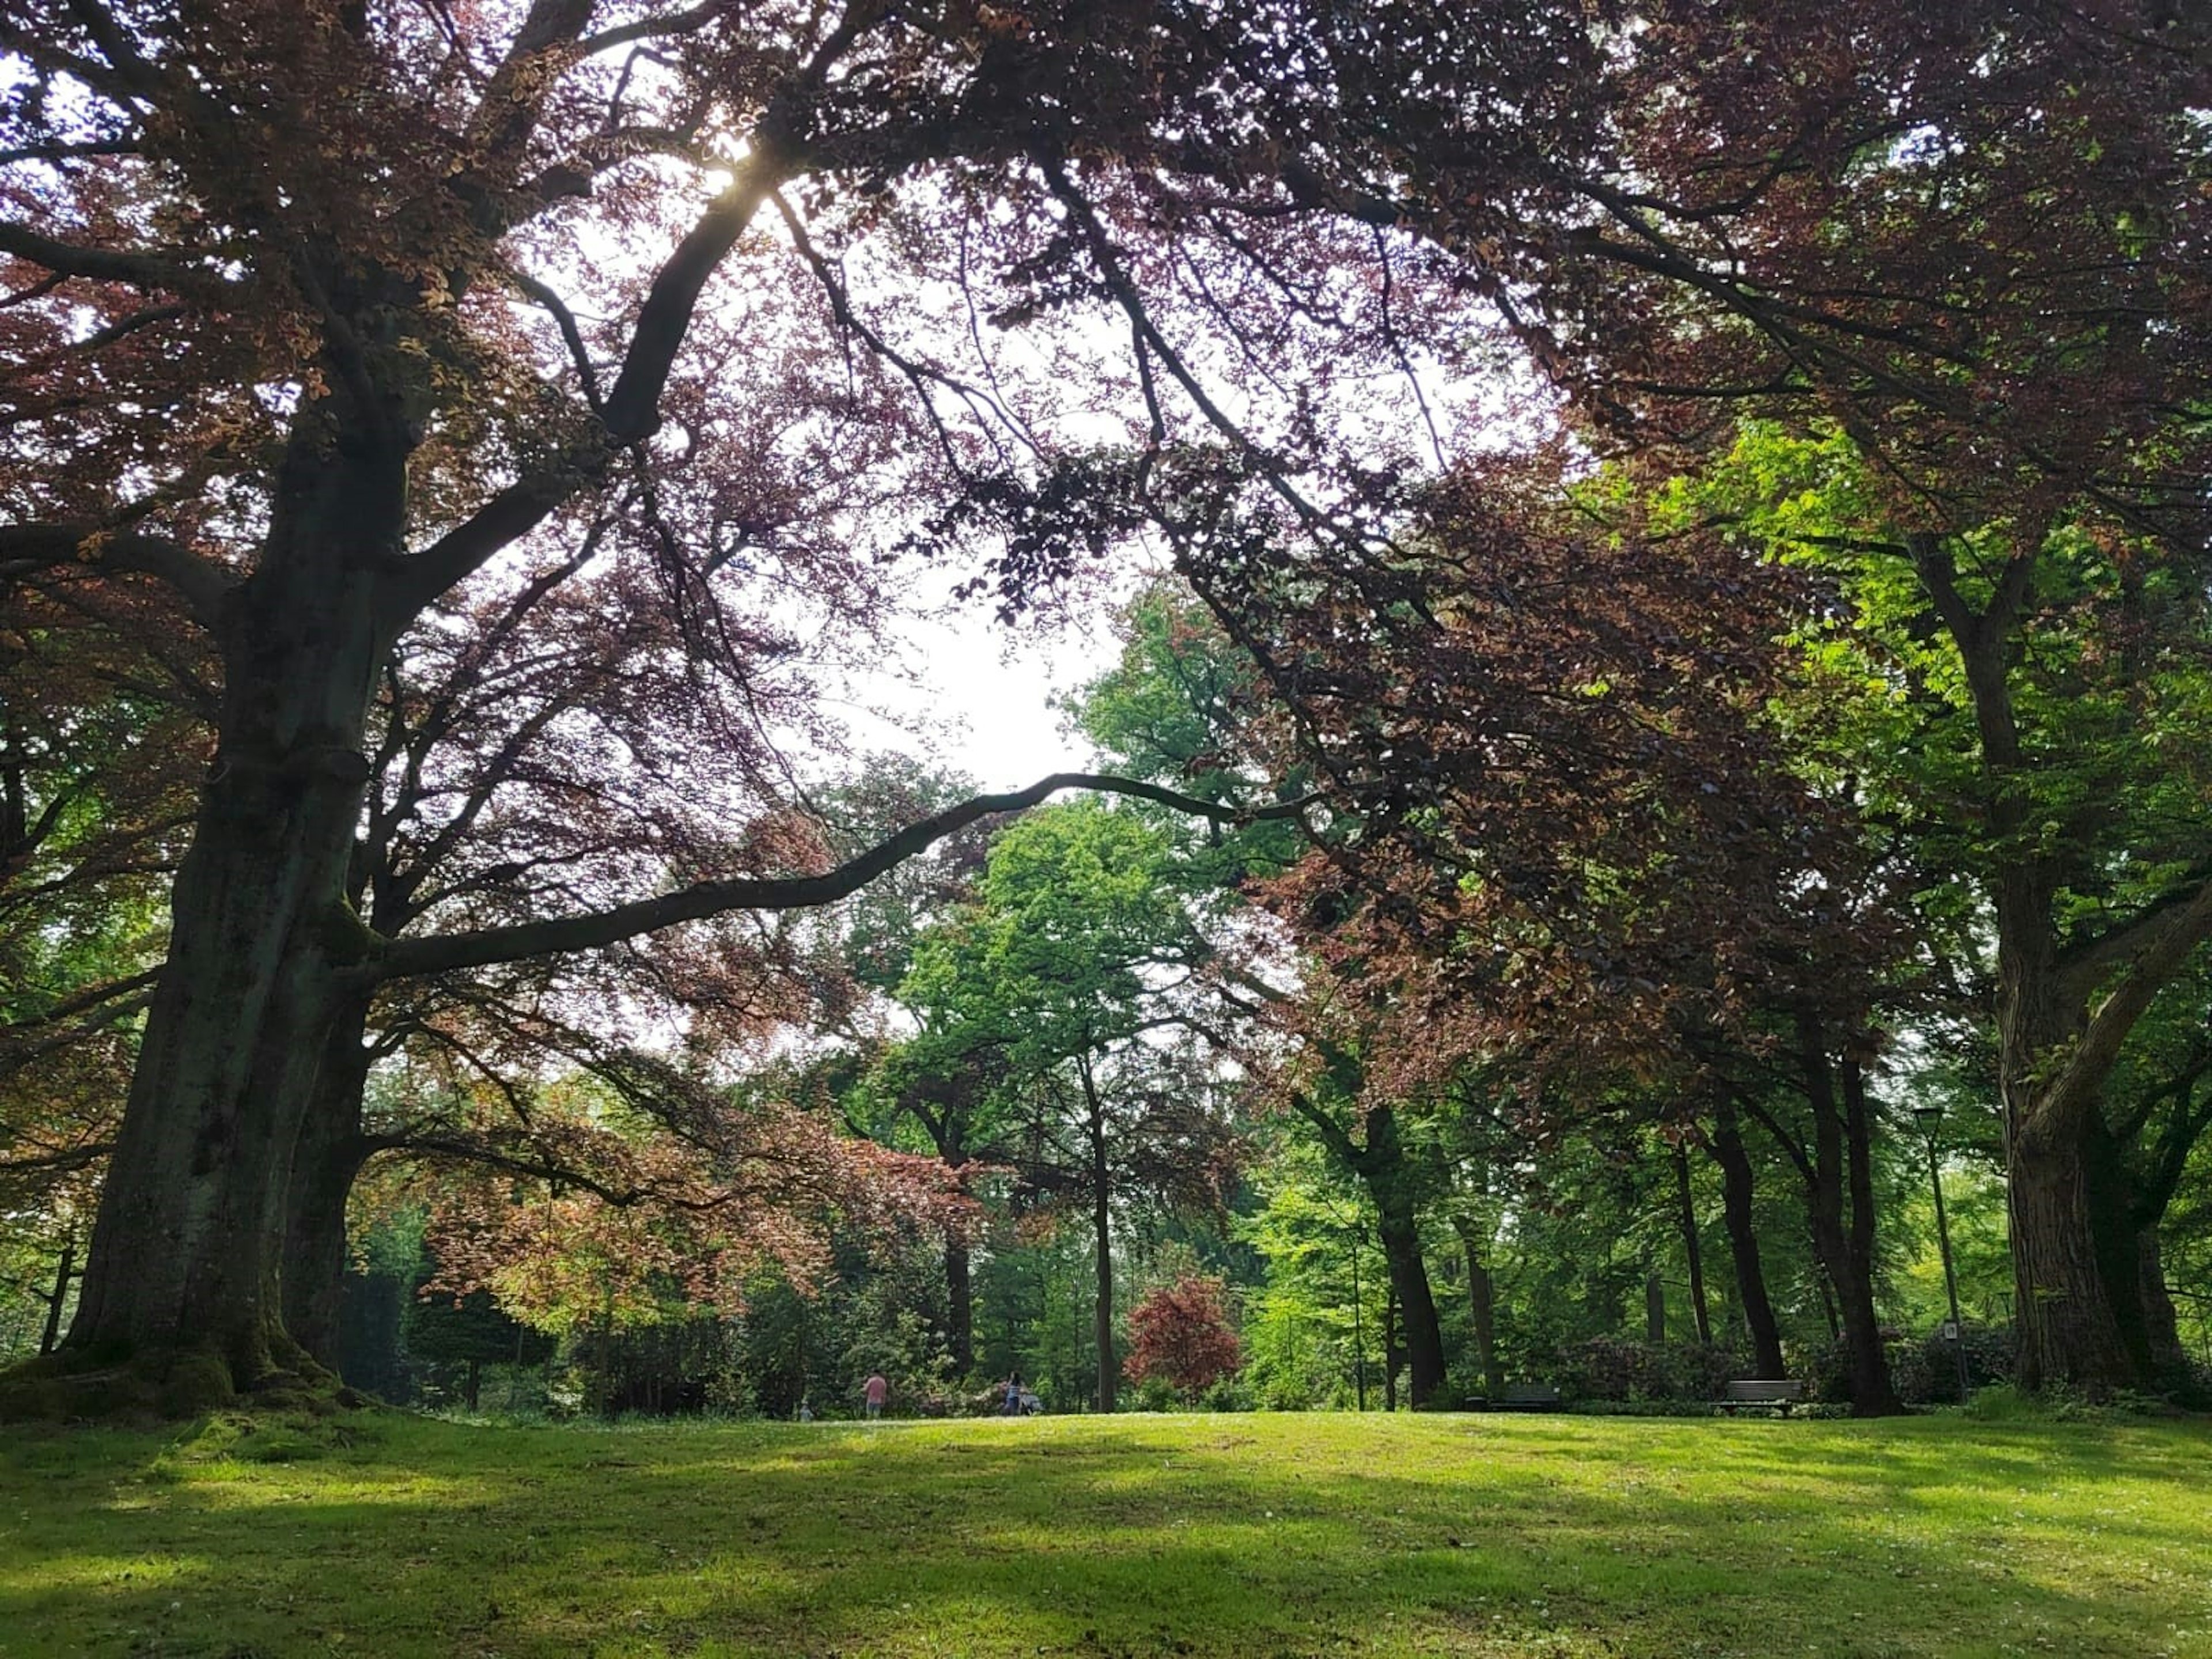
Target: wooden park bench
(1777,1393)
(1527,1397)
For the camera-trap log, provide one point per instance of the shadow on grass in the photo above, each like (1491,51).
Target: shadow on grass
(1190,1536)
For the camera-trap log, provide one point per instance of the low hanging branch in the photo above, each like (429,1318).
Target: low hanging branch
(447,953)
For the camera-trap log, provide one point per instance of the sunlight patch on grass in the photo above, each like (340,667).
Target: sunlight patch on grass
(76,1572)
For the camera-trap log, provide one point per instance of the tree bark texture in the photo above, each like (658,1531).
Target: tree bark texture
(326,1158)
(185,1254)
(2066,1321)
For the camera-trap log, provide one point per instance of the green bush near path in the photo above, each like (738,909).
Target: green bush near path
(1264,1535)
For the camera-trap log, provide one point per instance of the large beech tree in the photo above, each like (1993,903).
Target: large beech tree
(287,309)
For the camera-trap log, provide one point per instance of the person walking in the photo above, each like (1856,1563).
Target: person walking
(1014,1394)
(874,1392)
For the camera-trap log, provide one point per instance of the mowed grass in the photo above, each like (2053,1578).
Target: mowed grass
(1260,1535)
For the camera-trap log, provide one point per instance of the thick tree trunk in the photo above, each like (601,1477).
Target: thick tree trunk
(2113,1220)
(326,1158)
(2068,1325)
(2068,1328)
(1728,1151)
(2077,1318)
(2081,1317)
(185,1254)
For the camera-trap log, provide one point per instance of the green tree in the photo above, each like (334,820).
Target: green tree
(1073,970)
(464,1334)
(2024,699)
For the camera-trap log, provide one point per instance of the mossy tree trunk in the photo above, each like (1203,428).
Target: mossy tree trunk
(186,1257)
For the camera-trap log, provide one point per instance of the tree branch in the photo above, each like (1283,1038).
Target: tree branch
(2084,1066)
(629,414)
(24,547)
(410,958)
(649,29)
(1334,1135)
(2082,968)
(137,270)
(61,1162)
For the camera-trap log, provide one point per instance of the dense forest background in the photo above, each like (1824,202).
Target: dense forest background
(1084,1014)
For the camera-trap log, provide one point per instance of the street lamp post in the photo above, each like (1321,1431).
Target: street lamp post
(1929,1117)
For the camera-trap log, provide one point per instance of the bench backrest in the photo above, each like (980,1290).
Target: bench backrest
(1766,1389)
(1531,1393)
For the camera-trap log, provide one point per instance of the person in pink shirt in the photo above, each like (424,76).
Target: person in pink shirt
(875,1391)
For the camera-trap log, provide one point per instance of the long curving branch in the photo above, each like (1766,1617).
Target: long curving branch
(448,953)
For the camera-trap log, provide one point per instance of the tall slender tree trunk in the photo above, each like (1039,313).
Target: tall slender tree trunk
(58,1298)
(1840,1200)
(1482,1306)
(185,1254)
(959,1301)
(1728,1151)
(1382,1164)
(1827,1287)
(1692,1247)
(1393,1356)
(1101,1226)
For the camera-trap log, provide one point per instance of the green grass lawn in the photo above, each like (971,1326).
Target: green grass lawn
(1136,1536)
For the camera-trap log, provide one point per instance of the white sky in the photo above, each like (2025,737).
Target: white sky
(975,694)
